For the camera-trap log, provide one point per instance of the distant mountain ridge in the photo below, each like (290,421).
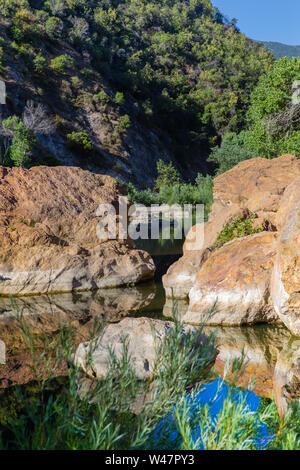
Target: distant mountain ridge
(282,50)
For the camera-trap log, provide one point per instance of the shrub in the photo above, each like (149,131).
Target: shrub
(102,97)
(39,64)
(125,122)
(236,229)
(22,140)
(61,63)
(167,175)
(119,98)
(230,153)
(80,142)
(54,27)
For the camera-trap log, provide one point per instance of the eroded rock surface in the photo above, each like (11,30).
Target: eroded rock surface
(257,184)
(48,233)
(239,276)
(234,284)
(286,274)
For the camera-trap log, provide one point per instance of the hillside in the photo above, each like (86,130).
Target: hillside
(282,50)
(128,82)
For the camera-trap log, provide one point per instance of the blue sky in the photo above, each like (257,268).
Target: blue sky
(265,20)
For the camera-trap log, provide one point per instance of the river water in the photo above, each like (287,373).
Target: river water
(272,354)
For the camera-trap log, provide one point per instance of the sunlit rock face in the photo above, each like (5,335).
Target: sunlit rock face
(48,233)
(287,376)
(233,285)
(258,185)
(253,279)
(286,274)
(181,276)
(253,186)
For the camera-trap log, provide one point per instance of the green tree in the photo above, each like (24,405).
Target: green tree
(22,140)
(274,114)
(230,153)
(167,175)
(54,27)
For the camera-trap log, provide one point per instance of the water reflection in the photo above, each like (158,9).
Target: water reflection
(287,375)
(47,314)
(272,355)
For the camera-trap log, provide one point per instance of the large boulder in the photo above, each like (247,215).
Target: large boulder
(253,186)
(257,184)
(181,275)
(286,273)
(143,336)
(233,285)
(48,233)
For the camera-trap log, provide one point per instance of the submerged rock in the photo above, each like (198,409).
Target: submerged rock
(48,233)
(143,336)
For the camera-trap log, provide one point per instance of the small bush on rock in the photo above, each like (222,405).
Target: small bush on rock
(238,228)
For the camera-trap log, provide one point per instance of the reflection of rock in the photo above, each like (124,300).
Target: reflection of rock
(143,336)
(287,376)
(48,313)
(19,370)
(236,279)
(261,345)
(49,233)
(179,305)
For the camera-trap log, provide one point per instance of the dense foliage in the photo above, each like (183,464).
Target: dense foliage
(273,119)
(170,189)
(188,69)
(274,112)
(230,152)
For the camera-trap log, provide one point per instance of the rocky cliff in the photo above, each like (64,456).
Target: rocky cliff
(254,278)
